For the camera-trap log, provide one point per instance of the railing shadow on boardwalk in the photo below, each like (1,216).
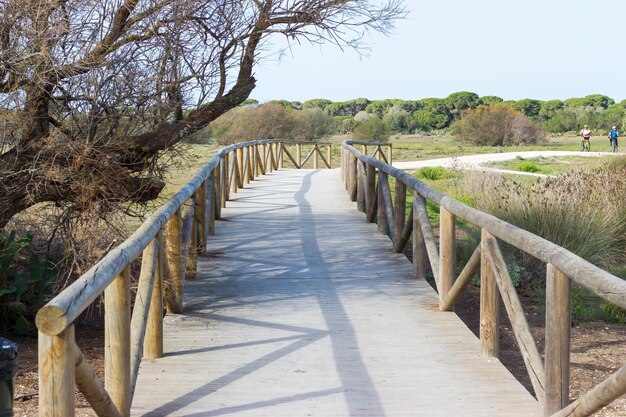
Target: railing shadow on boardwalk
(343,340)
(180,229)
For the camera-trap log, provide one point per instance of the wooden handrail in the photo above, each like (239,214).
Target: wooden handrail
(187,219)
(550,380)
(584,273)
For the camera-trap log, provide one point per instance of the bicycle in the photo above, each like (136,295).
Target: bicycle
(585,145)
(614,145)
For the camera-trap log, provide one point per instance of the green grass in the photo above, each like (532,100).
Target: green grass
(412,147)
(552,165)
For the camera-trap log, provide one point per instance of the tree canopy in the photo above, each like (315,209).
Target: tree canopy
(94,91)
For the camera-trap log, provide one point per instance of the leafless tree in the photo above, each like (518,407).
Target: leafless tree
(93,91)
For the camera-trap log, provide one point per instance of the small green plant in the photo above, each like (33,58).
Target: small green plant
(585,305)
(23,286)
(527,166)
(433,173)
(613,313)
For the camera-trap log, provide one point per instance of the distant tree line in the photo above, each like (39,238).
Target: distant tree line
(376,119)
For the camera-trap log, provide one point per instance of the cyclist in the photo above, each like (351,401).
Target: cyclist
(613,135)
(586,134)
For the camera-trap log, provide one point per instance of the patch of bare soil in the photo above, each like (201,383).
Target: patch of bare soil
(90,340)
(598,349)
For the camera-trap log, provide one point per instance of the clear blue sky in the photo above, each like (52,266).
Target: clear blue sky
(543,49)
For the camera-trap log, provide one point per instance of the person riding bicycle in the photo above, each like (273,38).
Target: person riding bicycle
(586,134)
(613,135)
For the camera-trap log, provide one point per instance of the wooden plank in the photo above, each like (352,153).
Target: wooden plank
(278,335)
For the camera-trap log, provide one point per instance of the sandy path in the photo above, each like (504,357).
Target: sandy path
(473,162)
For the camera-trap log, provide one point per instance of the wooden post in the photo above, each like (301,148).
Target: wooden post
(234,172)
(223,180)
(280,155)
(188,245)
(247,171)
(370,194)
(399,219)
(153,341)
(141,310)
(117,341)
(360,192)
(240,162)
(228,178)
(383,226)
(419,247)
(299,155)
(173,240)
(489,305)
(330,156)
(315,151)
(217,196)
(90,386)
(447,226)
(56,374)
(192,248)
(264,158)
(353,177)
(557,350)
(201,218)
(211,207)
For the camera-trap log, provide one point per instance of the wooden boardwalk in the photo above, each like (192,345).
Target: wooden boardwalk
(301,309)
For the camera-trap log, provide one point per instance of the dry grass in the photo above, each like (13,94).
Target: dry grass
(583,212)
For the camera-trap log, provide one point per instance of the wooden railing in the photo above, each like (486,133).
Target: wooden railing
(168,243)
(367,182)
(292,150)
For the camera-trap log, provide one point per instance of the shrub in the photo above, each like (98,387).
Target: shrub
(371,130)
(614,313)
(583,212)
(433,173)
(24,284)
(497,124)
(527,166)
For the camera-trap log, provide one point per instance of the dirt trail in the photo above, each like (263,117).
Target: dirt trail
(473,162)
